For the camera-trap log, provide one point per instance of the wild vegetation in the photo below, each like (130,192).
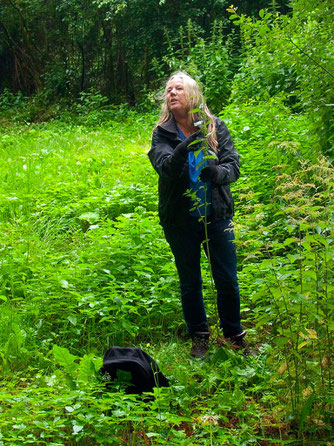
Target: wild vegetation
(84,264)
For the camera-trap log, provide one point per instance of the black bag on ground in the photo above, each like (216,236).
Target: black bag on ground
(145,373)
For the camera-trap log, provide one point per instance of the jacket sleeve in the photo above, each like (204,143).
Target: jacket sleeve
(228,158)
(167,162)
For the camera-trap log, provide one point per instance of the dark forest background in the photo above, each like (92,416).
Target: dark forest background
(121,48)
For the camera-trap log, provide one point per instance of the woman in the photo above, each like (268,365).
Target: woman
(182,215)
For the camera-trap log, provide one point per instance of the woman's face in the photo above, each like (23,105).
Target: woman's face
(175,94)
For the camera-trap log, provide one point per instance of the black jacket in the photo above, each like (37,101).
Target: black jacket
(174,174)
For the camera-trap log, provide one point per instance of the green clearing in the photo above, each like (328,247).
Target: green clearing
(83,261)
(84,266)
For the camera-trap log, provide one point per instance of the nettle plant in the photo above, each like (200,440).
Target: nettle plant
(291,265)
(202,122)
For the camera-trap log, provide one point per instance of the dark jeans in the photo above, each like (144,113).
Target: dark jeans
(185,243)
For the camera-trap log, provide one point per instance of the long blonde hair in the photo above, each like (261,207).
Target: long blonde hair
(195,100)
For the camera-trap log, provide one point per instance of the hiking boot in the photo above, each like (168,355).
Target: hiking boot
(238,342)
(200,344)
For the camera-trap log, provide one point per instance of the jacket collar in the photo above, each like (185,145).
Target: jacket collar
(170,127)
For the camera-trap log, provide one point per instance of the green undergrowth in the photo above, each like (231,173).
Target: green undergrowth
(84,265)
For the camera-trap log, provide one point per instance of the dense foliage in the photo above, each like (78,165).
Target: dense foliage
(84,264)
(291,57)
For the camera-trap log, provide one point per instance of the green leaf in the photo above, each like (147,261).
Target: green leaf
(91,217)
(88,367)
(281,341)
(196,141)
(289,240)
(65,358)
(306,411)
(119,413)
(77,428)
(72,319)
(64,283)
(19,426)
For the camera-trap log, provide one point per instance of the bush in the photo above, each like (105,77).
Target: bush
(289,55)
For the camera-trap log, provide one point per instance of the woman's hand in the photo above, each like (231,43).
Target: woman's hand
(209,172)
(189,144)
(193,140)
(168,161)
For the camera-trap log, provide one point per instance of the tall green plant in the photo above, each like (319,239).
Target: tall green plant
(293,294)
(290,54)
(208,153)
